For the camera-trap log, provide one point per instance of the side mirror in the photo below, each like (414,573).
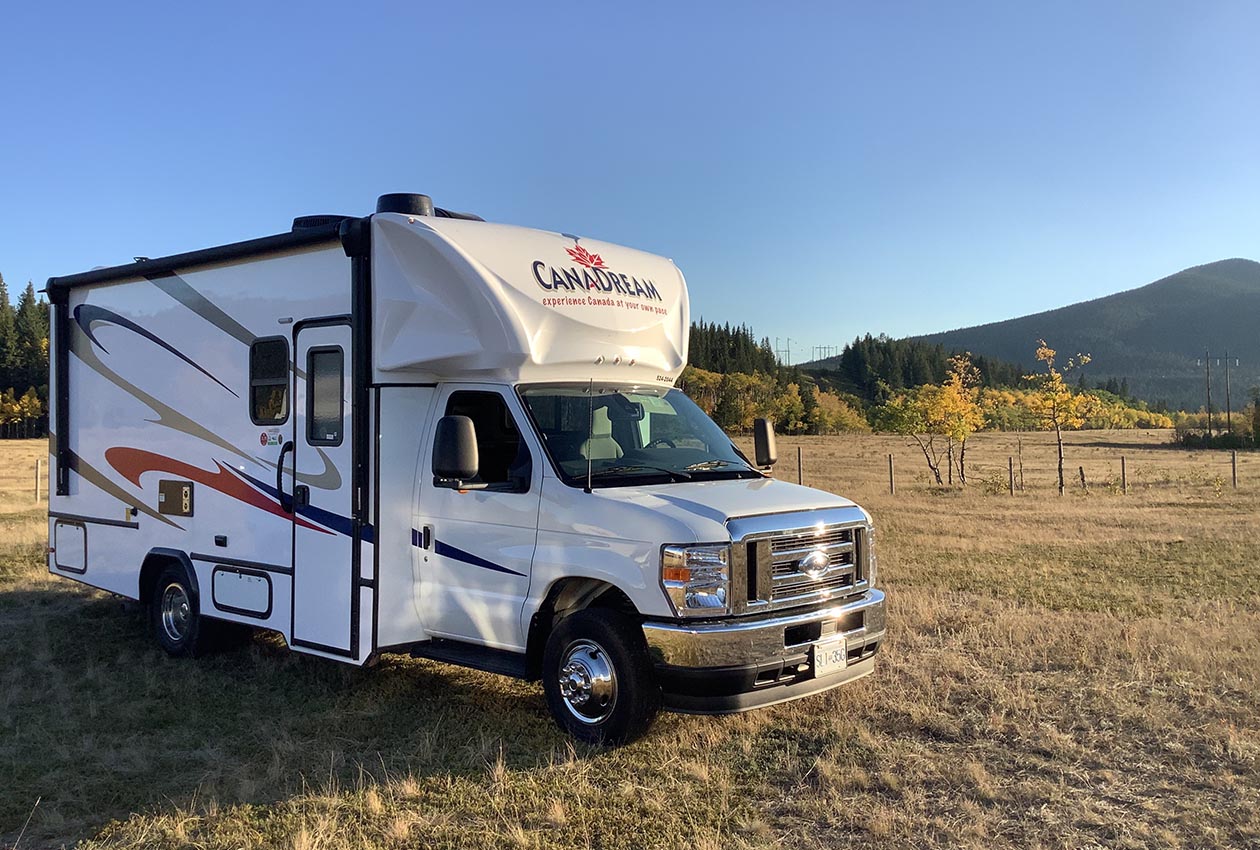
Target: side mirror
(763,442)
(455,450)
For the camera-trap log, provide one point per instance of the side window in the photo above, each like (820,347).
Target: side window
(505,463)
(269,381)
(324,397)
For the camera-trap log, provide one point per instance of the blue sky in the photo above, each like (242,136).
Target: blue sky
(817,170)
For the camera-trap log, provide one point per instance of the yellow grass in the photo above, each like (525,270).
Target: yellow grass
(1059,673)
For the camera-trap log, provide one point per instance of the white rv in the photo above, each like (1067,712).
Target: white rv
(418,432)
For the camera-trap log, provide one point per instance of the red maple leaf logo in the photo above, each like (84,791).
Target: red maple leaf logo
(583,257)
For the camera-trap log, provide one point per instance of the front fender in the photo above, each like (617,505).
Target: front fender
(628,565)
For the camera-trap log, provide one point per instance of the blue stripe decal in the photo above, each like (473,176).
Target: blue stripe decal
(448,551)
(328,519)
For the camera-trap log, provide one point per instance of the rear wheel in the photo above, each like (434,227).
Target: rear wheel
(598,678)
(173,614)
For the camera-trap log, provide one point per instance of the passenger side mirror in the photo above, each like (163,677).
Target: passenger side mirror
(455,459)
(763,443)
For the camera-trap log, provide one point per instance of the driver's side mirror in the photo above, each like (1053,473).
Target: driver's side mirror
(455,459)
(763,443)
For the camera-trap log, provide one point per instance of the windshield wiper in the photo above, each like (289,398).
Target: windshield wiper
(708,464)
(674,475)
(717,466)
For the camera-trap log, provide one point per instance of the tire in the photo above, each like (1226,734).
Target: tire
(177,624)
(598,678)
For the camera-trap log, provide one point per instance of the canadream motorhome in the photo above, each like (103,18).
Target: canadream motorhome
(419,432)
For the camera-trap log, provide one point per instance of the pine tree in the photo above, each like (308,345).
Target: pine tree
(8,337)
(31,327)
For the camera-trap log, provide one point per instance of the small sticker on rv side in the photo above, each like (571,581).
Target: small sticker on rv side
(269,438)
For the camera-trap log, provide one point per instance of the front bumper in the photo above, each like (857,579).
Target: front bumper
(735,665)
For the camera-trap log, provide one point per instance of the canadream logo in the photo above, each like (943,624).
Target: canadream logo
(591,272)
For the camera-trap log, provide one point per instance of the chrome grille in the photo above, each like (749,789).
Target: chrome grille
(790,543)
(788,550)
(769,560)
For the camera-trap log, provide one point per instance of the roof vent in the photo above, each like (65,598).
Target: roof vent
(405,203)
(441,213)
(302,222)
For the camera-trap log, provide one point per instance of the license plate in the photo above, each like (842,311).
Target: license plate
(830,656)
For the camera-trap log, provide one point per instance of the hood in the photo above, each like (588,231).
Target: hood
(685,512)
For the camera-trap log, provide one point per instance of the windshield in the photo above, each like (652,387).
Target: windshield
(630,435)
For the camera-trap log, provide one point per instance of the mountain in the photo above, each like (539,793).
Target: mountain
(1153,336)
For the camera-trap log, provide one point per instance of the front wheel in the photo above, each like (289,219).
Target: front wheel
(598,678)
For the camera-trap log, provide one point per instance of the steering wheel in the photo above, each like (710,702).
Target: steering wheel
(663,440)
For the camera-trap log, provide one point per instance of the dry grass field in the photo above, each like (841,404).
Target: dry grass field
(1060,673)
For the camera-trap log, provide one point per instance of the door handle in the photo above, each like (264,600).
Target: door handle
(286,503)
(301,496)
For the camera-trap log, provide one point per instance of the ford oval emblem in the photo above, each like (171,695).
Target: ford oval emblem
(814,564)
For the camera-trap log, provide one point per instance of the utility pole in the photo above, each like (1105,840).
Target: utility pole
(1229,413)
(1207,371)
(783,355)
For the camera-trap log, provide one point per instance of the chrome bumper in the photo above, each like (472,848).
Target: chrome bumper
(729,643)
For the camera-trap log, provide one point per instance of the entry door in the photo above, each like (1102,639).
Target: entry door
(323,543)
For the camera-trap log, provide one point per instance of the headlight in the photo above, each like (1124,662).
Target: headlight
(697,579)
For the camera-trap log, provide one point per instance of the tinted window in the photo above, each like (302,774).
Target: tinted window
(504,457)
(324,397)
(269,381)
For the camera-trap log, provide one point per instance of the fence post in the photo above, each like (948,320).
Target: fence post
(892,488)
(800,466)
(1124,477)
(949,461)
(1081,469)
(1010,474)
(1233,466)
(38,463)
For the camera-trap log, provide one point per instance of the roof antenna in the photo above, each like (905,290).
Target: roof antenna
(590,431)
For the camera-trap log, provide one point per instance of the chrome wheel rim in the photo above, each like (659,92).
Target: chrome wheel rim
(176,612)
(588,682)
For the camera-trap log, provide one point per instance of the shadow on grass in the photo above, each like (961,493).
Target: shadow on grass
(96,722)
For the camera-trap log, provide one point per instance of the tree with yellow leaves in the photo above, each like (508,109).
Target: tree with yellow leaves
(927,413)
(1054,401)
(10,412)
(962,415)
(29,409)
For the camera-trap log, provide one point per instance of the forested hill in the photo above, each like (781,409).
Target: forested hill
(725,348)
(871,367)
(1153,336)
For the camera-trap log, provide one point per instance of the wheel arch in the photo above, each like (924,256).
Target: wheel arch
(564,597)
(158,560)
